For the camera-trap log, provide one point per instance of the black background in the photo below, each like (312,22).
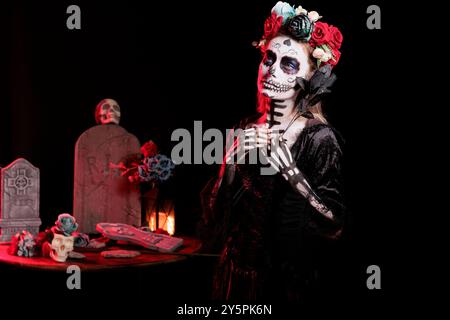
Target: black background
(168,64)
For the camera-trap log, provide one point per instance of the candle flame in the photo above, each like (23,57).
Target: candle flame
(152,223)
(166,222)
(171,225)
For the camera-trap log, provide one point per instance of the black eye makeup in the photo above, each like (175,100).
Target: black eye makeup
(269,58)
(289,65)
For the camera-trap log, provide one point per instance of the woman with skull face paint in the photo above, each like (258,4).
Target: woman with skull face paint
(270,228)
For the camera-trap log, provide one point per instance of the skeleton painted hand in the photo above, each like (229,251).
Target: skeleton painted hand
(258,136)
(281,160)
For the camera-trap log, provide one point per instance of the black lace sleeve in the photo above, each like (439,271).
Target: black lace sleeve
(322,165)
(215,212)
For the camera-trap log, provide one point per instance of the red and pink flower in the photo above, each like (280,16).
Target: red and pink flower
(321,34)
(272,25)
(329,38)
(336,37)
(336,56)
(149,149)
(325,39)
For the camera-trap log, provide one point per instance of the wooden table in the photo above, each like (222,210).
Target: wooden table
(95,262)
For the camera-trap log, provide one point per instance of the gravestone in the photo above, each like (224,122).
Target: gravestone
(19,199)
(101,194)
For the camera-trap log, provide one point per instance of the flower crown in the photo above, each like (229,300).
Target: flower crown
(303,26)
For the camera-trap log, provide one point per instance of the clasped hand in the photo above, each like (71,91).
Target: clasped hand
(271,143)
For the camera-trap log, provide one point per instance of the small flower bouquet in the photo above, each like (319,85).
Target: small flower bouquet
(324,39)
(153,167)
(23,244)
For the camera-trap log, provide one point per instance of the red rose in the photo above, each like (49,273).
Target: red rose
(149,149)
(272,25)
(336,37)
(336,56)
(320,35)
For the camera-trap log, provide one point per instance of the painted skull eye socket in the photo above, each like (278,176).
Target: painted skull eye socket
(289,65)
(115,107)
(269,58)
(106,106)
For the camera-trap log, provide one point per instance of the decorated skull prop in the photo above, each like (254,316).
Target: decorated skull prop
(61,247)
(107,111)
(283,62)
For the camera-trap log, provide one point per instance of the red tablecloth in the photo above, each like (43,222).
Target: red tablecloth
(94,261)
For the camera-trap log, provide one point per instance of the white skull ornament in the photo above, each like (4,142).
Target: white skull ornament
(284,60)
(61,247)
(107,111)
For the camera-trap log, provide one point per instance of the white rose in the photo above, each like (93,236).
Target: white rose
(325,57)
(300,10)
(281,7)
(318,53)
(313,16)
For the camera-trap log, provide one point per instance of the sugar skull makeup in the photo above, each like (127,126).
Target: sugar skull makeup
(284,60)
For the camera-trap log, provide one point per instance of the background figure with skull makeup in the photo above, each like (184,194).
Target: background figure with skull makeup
(276,232)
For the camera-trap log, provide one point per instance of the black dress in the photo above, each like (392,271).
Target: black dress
(268,234)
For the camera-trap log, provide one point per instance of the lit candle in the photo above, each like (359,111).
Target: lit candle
(152,223)
(166,222)
(171,225)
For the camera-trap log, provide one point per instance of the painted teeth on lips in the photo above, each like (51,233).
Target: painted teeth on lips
(274,86)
